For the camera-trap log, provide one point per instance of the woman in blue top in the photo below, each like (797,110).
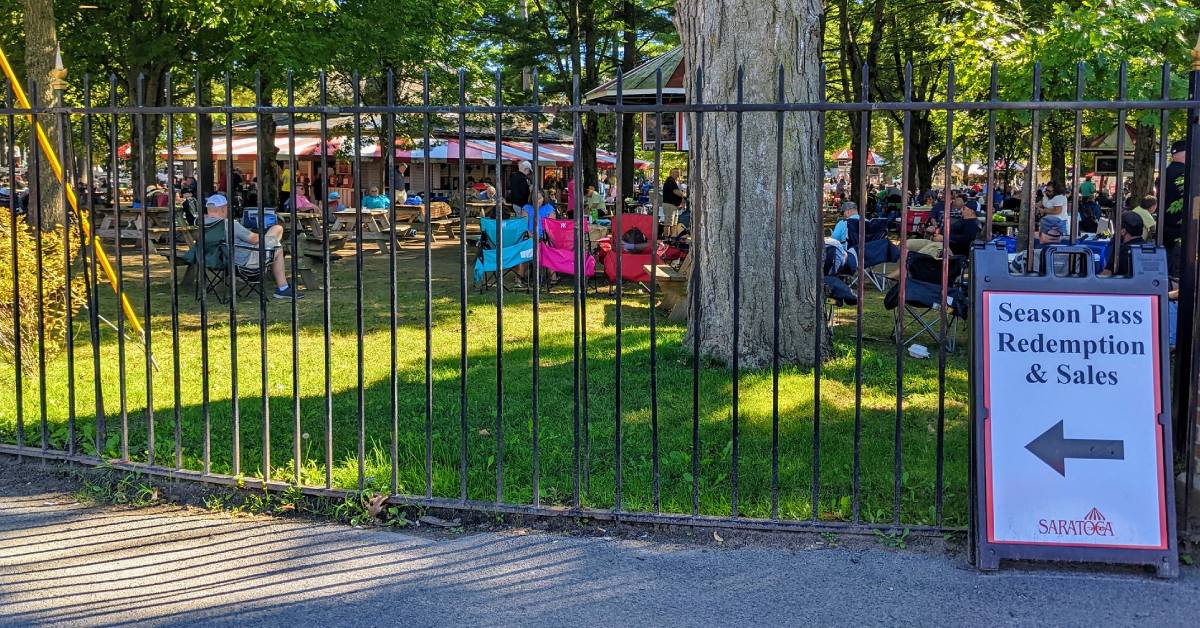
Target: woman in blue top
(545,210)
(375,200)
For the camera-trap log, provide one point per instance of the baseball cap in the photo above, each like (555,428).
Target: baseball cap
(216,200)
(333,196)
(1051,226)
(1179,146)
(1132,223)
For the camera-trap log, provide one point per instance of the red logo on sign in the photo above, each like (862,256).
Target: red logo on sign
(1092,524)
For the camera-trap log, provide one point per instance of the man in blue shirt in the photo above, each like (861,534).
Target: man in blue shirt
(842,228)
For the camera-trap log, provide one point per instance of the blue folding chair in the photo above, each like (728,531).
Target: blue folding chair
(492,263)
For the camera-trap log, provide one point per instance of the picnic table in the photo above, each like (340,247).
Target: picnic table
(376,226)
(312,240)
(412,217)
(476,209)
(151,225)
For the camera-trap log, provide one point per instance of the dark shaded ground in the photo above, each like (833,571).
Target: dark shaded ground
(65,562)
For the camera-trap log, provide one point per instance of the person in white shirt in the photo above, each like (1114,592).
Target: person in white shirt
(1054,203)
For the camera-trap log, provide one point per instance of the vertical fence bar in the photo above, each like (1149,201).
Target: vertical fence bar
(536,230)
(265,398)
(737,294)
(118,229)
(390,182)
(993,96)
(35,204)
(233,189)
(323,201)
(905,172)
(819,330)
(694,289)
(1188,368)
(1075,198)
(360,366)
(943,323)
(462,312)
(579,285)
(428,197)
(90,264)
(1122,92)
(201,287)
(173,258)
(18,361)
(64,127)
(297,435)
(619,215)
(656,497)
(500,193)
(1164,150)
(864,146)
(776,295)
(1035,131)
(147,352)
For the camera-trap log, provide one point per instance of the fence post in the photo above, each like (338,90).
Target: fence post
(1188,360)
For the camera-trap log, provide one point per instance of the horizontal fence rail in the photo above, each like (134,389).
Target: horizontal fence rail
(489,370)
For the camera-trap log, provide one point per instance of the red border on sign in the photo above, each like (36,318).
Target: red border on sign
(987,431)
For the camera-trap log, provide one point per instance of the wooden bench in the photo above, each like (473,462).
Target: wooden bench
(672,288)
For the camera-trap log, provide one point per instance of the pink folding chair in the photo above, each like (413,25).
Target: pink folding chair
(557,251)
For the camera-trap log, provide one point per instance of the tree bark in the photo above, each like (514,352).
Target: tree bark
(1057,134)
(145,142)
(1145,152)
(920,171)
(629,61)
(591,79)
(206,170)
(268,176)
(719,37)
(41,45)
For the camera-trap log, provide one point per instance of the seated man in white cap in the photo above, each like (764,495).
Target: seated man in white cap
(245,251)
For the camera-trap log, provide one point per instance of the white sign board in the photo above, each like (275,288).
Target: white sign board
(1073,449)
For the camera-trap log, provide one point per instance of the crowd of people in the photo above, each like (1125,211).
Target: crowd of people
(1141,217)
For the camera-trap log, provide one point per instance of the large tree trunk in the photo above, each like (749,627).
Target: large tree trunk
(268,176)
(628,62)
(146,141)
(1144,156)
(591,79)
(718,37)
(1058,130)
(205,168)
(41,45)
(920,172)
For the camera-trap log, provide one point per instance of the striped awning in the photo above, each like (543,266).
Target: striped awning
(244,147)
(443,151)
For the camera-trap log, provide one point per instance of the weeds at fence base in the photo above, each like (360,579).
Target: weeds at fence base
(895,539)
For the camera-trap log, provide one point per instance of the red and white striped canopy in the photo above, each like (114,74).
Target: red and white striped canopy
(443,151)
(847,154)
(247,148)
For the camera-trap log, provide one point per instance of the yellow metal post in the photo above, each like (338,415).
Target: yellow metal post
(80,213)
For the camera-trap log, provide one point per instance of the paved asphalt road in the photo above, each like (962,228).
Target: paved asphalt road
(65,563)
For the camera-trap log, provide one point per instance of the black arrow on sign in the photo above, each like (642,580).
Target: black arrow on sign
(1053,449)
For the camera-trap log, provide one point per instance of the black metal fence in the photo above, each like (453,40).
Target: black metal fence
(588,403)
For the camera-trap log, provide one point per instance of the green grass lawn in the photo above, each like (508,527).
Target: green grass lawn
(556,400)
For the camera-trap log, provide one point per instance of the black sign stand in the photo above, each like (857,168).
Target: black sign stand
(990,273)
